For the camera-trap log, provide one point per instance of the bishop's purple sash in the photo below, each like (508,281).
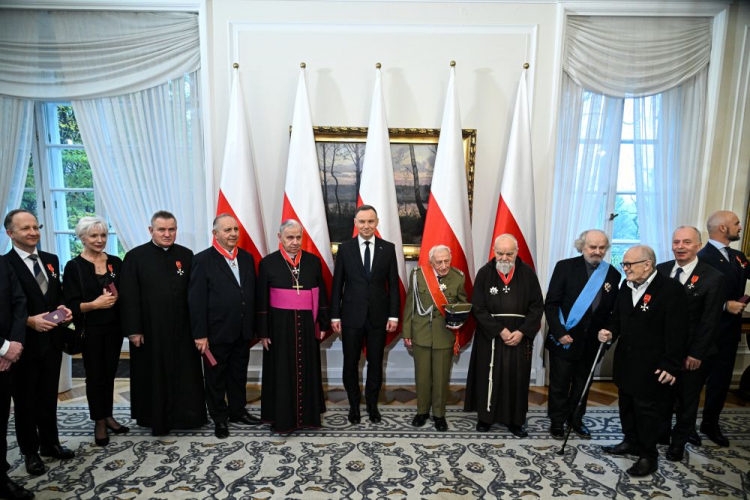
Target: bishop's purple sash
(306,300)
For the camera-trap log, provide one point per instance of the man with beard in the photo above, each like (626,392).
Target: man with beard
(508,307)
(166,381)
(723,228)
(292,312)
(650,322)
(222,304)
(704,286)
(580,298)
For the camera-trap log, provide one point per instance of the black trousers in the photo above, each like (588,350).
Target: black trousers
(719,370)
(226,382)
(684,404)
(641,421)
(6,383)
(745,380)
(101,353)
(353,339)
(567,379)
(36,378)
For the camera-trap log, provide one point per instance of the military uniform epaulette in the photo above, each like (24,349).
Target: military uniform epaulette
(457,270)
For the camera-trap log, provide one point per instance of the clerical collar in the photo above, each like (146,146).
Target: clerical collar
(294,261)
(161,247)
(645,284)
(687,269)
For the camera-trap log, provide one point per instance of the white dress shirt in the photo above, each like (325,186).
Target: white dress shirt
(30,263)
(638,291)
(4,348)
(362,248)
(687,270)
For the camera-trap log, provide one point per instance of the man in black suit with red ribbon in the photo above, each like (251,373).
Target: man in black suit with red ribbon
(37,374)
(723,228)
(366,267)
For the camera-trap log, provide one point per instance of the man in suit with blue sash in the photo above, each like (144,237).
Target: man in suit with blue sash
(580,298)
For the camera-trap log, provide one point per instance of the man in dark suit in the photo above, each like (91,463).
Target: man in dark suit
(12,329)
(366,267)
(37,373)
(221,296)
(580,298)
(650,322)
(704,286)
(723,228)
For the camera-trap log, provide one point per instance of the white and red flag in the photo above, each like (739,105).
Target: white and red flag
(377,187)
(238,191)
(303,195)
(516,214)
(448,222)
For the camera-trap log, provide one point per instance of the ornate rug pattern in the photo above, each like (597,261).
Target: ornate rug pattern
(391,460)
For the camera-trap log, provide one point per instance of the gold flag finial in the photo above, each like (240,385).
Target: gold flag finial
(302,65)
(377,65)
(236,66)
(525,65)
(453,64)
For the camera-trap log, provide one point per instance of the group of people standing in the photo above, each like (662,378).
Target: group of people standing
(191,320)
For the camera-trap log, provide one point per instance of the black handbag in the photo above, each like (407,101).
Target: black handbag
(74,338)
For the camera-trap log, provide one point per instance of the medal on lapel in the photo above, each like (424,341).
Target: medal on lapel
(111,270)
(493,290)
(646,300)
(693,280)
(607,287)
(51,270)
(179,268)
(743,265)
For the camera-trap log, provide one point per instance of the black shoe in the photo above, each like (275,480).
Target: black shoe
(374,415)
(483,426)
(742,394)
(13,491)
(557,431)
(246,419)
(582,431)
(440,424)
(621,449)
(694,439)
(221,430)
(101,441)
(420,419)
(643,467)
(57,451)
(663,439)
(354,417)
(34,464)
(518,431)
(713,431)
(120,430)
(675,453)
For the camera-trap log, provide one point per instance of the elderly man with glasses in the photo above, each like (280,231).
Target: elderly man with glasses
(650,323)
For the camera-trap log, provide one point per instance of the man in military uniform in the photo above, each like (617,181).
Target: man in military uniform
(431,288)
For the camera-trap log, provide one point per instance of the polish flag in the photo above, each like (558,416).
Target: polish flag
(448,221)
(516,214)
(377,187)
(303,195)
(238,191)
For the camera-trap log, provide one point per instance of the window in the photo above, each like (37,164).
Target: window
(61,177)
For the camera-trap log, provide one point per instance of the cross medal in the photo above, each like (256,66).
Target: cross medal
(506,289)
(644,307)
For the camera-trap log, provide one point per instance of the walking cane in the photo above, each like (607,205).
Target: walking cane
(583,394)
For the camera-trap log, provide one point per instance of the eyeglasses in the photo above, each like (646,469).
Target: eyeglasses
(628,265)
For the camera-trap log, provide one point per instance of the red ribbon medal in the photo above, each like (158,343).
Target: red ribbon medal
(222,251)
(294,262)
(743,265)
(51,270)
(507,280)
(179,267)
(111,270)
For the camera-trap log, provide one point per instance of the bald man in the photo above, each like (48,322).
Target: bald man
(724,228)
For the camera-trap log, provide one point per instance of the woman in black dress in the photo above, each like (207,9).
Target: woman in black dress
(88,293)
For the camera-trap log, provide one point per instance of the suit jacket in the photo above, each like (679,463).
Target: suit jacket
(430,330)
(705,298)
(736,273)
(221,309)
(649,339)
(36,302)
(354,297)
(12,306)
(568,280)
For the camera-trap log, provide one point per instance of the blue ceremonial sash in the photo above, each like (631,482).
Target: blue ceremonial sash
(584,300)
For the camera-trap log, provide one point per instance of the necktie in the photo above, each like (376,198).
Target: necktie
(727,254)
(41,279)
(367,259)
(678,274)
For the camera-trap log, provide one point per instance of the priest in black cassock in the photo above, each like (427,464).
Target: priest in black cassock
(166,379)
(291,311)
(508,307)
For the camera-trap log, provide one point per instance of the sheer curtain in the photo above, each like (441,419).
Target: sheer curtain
(16,129)
(146,154)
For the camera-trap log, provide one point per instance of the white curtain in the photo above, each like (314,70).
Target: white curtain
(86,54)
(635,56)
(16,129)
(589,149)
(146,154)
(668,140)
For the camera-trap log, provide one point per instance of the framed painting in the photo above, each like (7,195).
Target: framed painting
(341,154)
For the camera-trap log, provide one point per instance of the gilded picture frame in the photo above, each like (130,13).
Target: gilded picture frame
(341,153)
(746,231)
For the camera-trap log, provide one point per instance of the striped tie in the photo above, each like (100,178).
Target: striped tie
(41,279)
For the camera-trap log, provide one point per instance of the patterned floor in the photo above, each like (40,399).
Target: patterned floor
(391,460)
